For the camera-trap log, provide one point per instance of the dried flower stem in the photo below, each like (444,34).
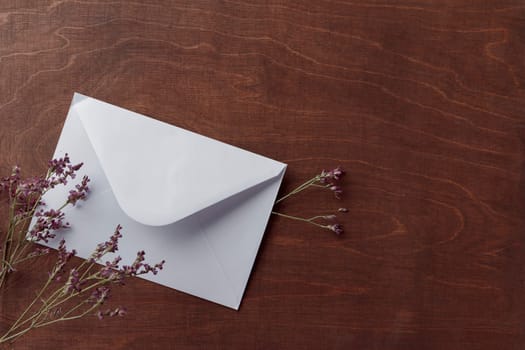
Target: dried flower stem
(84,289)
(322,180)
(9,255)
(24,197)
(308,220)
(299,189)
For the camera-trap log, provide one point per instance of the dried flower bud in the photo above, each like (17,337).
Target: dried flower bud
(80,192)
(63,258)
(100,315)
(47,222)
(119,311)
(343,210)
(10,183)
(337,228)
(337,190)
(110,246)
(337,173)
(334,174)
(74,284)
(99,295)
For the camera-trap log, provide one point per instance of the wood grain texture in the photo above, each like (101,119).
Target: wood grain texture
(421,101)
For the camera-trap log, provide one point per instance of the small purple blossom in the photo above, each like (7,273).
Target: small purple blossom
(109,246)
(337,173)
(138,268)
(112,271)
(29,193)
(39,251)
(334,174)
(59,164)
(99,295)
(119,311)
(47,222)
(63,258)
(61,170)
(74,284)
(337,191)
(337,228)
(10,183)
(80,191)
(110,268)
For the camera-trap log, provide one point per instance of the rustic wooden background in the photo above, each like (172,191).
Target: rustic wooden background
(422,102)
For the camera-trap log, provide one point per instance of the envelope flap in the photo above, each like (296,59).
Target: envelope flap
(160,173)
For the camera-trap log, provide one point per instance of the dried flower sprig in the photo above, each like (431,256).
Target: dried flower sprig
(24,196)
(82,290)
(326,180)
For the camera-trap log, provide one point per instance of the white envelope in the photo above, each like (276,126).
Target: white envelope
(198,203)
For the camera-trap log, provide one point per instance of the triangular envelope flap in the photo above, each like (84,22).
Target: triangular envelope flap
(160,173)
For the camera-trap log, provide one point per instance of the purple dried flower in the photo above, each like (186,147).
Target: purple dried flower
(334,174)
(74,284)
(337,228)
(57,165)
(63,257)
(337,190)
(109,270)
(139,268)
(99,295)
(10,183)
(61,170)
(38,252)
(119,311)
(25,195)
(29,191)
(47,221)
(110,246)
(337,173)
(80,192)
(41,251)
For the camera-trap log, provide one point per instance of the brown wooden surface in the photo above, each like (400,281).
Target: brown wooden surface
(422,102)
